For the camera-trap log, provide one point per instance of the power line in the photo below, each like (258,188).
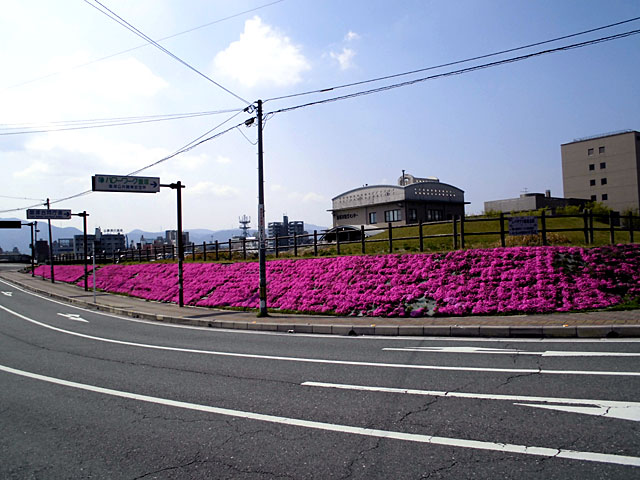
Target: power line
(109,13)
(185,148)
(65,125)
(449,64)
(146,44)
(461,71)
(21,198)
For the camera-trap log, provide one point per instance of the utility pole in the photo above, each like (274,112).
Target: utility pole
(50,244)
(261,220)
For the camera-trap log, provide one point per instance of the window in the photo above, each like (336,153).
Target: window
(593,198)
(603,181)
(413,215)
(372,217)
(592,182)
(603,165)
(392,216)
(605,196)
(600,149)
(590,152)
(592,166)
(434,215)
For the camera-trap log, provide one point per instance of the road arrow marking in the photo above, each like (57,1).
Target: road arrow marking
(601,408)
(73,316)
(8,294)
(511,351)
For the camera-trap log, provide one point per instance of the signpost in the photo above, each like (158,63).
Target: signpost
(523,226)
(124,183)
(49,214)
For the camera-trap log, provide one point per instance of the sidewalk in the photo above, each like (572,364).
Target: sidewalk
(557,325)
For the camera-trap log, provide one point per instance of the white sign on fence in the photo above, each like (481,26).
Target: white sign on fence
(523,226)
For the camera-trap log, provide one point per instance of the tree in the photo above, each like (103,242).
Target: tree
(15,250)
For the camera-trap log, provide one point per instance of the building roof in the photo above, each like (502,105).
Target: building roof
(602,135)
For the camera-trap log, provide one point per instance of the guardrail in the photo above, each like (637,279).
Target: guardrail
(316,244)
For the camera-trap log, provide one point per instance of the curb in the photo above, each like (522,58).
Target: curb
(479,331)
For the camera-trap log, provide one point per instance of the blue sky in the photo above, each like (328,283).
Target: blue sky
(492,132)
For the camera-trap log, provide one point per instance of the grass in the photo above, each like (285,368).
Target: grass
(478,234)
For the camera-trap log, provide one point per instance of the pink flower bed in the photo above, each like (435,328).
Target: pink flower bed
(490,281)
(63,273)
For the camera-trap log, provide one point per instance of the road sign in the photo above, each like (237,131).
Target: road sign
(10,224)
(44,214)
(125,183)
(523,226)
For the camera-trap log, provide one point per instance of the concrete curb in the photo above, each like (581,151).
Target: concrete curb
(479,331)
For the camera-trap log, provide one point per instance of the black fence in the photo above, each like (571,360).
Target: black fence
(368,239)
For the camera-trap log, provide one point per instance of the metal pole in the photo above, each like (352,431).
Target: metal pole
(94,270)
(33,249)
(50,245)
(261,220)
(179,188)
(84,234)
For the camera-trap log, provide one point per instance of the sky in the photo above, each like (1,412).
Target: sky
(494,133)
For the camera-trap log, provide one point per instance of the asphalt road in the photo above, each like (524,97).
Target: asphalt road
(91,395)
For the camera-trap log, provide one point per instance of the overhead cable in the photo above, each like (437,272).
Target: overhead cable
(459,72)
(91,62)
(109,13)
(185,148)
(64,125)
(449,64)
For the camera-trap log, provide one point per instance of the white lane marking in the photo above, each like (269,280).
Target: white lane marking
(334,337)
(325,361)
(73,316)
(604,408)
(332,427)
(8,294)
(510,351)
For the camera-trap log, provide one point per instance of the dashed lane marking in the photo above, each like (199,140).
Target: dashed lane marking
(348,429)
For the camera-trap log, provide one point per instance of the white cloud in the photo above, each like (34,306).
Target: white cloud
(122,156)
(87,91)
(307,197)
(351,36)
(262,56)
(218,190)
(223,160)
(344,58)
(275,187)
(35,169)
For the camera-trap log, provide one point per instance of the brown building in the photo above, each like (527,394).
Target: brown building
(413,200)
(604,168)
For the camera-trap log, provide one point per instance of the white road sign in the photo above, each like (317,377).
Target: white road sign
(44,214)
(124,183)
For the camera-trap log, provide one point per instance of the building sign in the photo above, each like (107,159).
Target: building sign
(346,216)
(45,214)
(125,183)
(523,226)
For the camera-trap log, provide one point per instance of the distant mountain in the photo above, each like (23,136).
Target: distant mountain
(10,238)
(21,238)
(199,235)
